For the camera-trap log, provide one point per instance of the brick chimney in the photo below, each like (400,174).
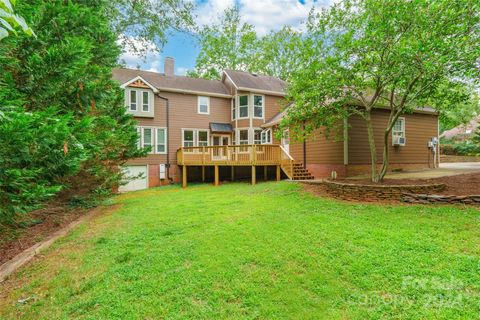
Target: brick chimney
(169,66)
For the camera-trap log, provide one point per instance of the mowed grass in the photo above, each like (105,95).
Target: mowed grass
(269,251)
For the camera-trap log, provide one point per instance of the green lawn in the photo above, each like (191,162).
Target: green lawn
(265,252)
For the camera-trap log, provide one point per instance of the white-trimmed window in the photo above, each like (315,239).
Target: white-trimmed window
(234,108)
(258,106)
(153,137)
(188,138)
(398,132)
(147,137)
(242,136)
(161,140)
(203,105)
(132,100)
(243,107)
(145,101)
(195,137)
(267,136)
(202,138)
(257,136)
(139,102)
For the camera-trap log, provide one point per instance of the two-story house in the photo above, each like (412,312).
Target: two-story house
(219,129)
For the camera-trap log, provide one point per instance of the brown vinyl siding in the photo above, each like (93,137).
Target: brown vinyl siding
(320,150)
(419,129)
(183,114)
(273,105)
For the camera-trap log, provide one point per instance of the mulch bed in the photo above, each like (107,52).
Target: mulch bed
(459,185)
(44,222)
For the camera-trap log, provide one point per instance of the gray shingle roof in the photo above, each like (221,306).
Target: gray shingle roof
(161,81)
(246,80)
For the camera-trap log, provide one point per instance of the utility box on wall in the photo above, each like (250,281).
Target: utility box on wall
(162,171)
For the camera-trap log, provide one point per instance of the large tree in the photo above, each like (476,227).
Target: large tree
(279,53)
(233,44)
(140,23)
(229,44)
(370,53)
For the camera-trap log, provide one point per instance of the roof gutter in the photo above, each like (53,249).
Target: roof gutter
(273,93)
(210,94)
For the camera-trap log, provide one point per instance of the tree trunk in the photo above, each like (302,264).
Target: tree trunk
(386,154)
(371,143)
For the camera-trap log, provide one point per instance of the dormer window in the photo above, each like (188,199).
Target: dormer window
(133,100)
(139,102)
(145,101)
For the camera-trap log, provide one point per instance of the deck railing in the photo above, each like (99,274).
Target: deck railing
(286,162)
(235,155)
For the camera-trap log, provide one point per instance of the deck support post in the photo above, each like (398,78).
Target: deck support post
(203,173)
(184,176)
(278,173)
(254,175)
(265,173)
(216,176)
(232,173)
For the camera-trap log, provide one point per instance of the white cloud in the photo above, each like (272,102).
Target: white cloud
(265,15)
(150,62)
(208,12)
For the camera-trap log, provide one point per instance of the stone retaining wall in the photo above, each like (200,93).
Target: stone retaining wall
(362,192)
(439,199)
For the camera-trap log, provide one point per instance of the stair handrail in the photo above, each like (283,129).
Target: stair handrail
(288,171)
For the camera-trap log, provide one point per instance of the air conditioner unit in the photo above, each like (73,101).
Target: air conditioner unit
(398,141)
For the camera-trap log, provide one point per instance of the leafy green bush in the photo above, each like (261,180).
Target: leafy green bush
(466,148)
(68,131)
(33,157)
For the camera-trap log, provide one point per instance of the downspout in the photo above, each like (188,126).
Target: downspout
(168,135)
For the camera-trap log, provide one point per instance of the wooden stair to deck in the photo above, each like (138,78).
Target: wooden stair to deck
(300,173)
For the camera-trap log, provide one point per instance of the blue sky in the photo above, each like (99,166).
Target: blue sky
(264,15)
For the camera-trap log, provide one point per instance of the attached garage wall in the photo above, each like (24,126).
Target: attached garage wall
(137,184)
(419,129)
(323,155)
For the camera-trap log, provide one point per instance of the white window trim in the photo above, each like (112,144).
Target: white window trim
(263,106)
(154,138)
(233,109)
(139,101)
(198,105)
(248,106)
(129,95)
(403,133)
(195,136)
(267,133)
(253,136)
(198,137)
(156,142)
(237,135)
(148,102)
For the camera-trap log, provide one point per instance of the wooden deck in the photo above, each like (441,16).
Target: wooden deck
(236,155)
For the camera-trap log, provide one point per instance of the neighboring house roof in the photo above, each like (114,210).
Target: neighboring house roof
(221,127)
(463,130)
(246,81)
(172,83)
